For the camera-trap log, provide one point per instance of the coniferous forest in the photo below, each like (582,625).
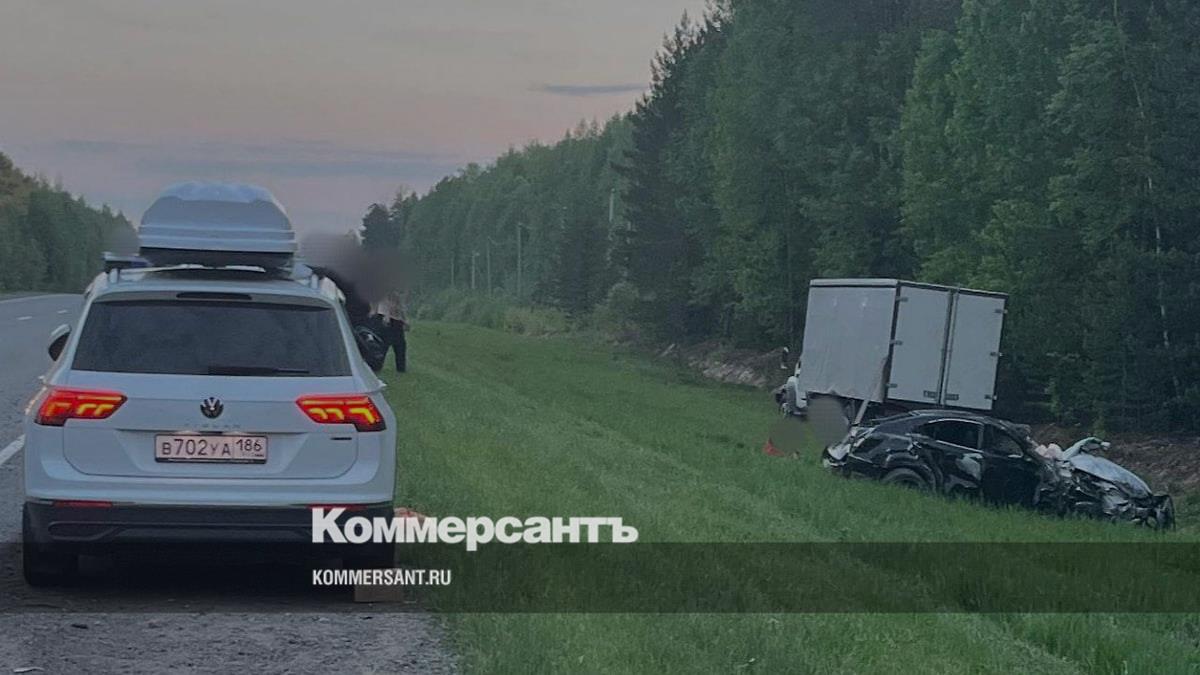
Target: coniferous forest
(1049,149)
(49,239)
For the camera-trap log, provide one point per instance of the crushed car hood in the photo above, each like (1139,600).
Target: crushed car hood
(1112,472)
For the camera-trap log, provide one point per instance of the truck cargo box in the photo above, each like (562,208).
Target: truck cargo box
(886,340)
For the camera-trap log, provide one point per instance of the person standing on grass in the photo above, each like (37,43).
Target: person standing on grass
(395,319)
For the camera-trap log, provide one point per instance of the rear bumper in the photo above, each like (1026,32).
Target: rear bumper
(49,476)
(86,527)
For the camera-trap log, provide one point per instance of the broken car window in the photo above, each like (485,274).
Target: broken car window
(956,432)
(997,441)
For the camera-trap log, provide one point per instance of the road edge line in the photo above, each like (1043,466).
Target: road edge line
(23,298)
(12,449)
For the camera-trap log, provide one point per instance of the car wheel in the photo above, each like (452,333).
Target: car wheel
(906,478)
(44,566)
(788,403)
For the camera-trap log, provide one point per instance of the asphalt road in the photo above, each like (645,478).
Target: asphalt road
(171,617)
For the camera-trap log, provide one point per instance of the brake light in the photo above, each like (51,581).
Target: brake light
(61,405)
(346,409)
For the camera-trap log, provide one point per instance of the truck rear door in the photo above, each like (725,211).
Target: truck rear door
(922,315)
(978,321)
(847,338)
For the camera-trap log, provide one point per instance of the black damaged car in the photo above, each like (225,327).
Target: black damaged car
(962,453)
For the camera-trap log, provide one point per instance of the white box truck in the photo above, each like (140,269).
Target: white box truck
(892,345)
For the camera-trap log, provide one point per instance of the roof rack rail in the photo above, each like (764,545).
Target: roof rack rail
(116,261)
(116,275)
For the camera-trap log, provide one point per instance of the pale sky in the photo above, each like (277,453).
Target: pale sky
(332,104)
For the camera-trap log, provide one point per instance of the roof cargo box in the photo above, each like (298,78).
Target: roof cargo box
(218,225)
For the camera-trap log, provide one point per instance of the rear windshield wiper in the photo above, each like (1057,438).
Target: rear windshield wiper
(254,370)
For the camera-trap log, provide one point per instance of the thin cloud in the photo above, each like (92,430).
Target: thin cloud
(584,90)
(406,169)
(87,146)
(282,159)
(324,183)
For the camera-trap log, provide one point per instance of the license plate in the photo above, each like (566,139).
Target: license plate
(215,448)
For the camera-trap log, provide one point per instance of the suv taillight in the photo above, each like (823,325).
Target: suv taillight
(63,404)
(353,409)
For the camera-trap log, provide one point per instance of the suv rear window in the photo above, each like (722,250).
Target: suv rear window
(179,337)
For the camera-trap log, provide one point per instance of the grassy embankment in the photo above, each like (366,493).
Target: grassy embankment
(498,424)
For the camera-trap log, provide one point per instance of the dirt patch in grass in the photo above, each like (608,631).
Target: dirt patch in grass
(719,362)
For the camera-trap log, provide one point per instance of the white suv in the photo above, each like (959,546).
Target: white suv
(202,404)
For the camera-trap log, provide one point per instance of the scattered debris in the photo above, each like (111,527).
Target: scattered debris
(788,438)
(961,453)
(405,512)
(749,663)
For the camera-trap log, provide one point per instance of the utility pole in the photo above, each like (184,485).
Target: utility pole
(474,256)
(452,271)
(488,249)
(518,263)
(612,206)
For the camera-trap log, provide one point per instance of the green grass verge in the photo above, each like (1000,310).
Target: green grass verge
(498,424)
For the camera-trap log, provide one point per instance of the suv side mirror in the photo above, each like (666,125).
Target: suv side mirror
(58,340)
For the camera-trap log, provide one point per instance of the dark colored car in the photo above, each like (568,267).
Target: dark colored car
(962,453)
(370,342)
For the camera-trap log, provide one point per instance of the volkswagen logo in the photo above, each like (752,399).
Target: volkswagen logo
(212,407)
